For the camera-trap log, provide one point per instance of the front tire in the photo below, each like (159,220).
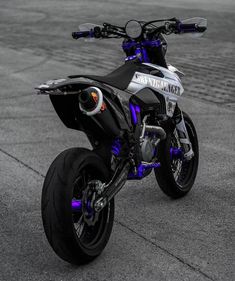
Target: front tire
(66,179)
(172,185)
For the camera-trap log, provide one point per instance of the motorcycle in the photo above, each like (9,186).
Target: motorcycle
(133,121)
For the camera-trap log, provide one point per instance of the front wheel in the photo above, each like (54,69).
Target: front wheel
(176,176)
(76,237)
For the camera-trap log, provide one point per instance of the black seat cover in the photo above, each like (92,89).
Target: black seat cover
(120,77)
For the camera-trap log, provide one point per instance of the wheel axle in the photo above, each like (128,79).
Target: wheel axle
(77,206)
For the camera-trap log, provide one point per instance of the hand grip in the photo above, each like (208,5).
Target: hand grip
(190,27)
(81,34)
(186,27)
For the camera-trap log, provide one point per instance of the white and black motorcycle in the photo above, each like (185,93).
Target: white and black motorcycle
(134,124)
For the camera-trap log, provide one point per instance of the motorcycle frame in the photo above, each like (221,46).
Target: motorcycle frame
(126,111)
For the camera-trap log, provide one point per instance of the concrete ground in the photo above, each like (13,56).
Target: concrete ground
(154,237)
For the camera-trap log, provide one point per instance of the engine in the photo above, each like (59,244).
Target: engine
(149,139)
(148,148)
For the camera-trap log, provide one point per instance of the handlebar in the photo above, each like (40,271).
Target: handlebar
(96,32)
(111,31)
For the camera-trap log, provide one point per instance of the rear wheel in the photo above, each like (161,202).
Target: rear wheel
(76,237)
(176,175)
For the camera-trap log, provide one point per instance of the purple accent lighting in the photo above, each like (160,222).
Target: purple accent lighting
(76,205)
(133,113)
(89,209)
(141,169)
(128,45)
(148,43)
(145,55)
(138,53)
(155,43)
(131,58)
(176,153)
(116,147)
(135,109)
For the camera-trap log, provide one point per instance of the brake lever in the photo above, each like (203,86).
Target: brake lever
(169,27)
(110,29)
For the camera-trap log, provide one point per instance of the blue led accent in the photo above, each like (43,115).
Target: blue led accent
(77,206)
(137,108)
(134,110)
(147,43)
(145,55)
(139,54)
(141,169)
(133,114)
(176,153)
(131,58)
(116,147)
(129,45)
(154,43)
(140,50)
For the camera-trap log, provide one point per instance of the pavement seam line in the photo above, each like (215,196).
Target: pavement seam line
(44,60)
(120,223)
(21,162)
(165,250)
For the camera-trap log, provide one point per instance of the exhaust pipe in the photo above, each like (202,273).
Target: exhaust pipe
(91,103)
(159,131)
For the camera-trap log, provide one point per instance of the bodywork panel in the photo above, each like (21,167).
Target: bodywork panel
(64,97)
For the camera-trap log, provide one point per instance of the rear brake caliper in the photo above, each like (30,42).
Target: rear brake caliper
(91,194)
(85,205)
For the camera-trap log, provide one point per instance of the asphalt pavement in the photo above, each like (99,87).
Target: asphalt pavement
(154,237)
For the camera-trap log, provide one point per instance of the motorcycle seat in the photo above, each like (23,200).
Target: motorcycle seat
(121,77)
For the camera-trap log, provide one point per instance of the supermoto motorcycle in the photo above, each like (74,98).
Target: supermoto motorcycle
(134,124)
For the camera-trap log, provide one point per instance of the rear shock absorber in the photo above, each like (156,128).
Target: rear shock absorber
(116,150)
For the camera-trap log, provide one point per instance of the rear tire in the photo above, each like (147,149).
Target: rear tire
(171,185)
(66,179)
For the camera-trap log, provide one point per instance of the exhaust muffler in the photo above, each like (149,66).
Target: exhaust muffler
(91,103)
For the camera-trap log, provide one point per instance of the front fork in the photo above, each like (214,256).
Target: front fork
(183,134)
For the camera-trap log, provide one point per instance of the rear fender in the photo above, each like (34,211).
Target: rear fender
(67,86)
(64,93)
